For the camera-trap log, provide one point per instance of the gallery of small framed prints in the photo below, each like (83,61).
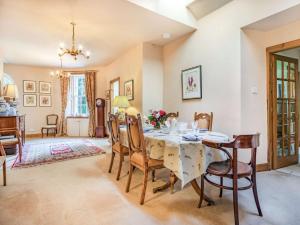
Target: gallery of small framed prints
(45,87)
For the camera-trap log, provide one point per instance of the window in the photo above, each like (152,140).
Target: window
(77,104)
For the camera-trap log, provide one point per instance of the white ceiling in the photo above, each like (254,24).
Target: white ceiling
(201,8)
(31,30)
(277,20)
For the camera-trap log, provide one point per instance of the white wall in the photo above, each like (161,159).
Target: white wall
(152,78)
(216,45)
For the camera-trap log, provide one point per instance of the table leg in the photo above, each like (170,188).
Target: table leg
(198,191)
(170,184)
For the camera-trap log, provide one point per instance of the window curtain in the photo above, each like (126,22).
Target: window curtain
(90,81)
(64,88)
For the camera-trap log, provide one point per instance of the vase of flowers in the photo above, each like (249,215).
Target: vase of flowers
(157,118)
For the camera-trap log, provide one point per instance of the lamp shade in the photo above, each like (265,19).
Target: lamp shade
(121,102)
(11,91)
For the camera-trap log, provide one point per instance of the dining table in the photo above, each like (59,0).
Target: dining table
(182,152)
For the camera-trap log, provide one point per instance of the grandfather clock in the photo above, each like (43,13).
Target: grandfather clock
(100,128)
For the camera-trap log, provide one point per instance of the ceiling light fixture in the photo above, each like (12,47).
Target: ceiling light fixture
(166,35)
(59,73)
(73,51)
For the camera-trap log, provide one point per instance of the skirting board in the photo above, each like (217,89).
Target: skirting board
(262,167)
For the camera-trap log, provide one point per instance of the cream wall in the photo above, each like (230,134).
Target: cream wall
(216,45)
(127,66)
(35,116)
(152,78)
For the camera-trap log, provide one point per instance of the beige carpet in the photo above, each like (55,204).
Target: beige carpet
(81,192)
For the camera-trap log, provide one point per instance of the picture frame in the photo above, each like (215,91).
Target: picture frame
(45,87)
(129,89)
(191,83)
(29,86)
(45,101)
(107,94)
(29,100)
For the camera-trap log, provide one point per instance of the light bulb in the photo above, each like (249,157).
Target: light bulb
(52,74)
(88,53)
(80,47)
(61,45)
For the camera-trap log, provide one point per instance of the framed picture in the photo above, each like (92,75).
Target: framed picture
(29,86)
(45,87)
(191,82)
(107,94)
(129,90)
(45,101)
(29,100)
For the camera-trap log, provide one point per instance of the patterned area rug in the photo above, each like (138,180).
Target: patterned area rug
(43,153)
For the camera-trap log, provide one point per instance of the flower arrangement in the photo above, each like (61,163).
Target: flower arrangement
(156,118)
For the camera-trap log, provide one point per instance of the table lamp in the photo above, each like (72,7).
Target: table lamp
(121,102)
(11,92)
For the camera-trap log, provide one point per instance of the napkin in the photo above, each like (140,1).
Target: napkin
(191,137)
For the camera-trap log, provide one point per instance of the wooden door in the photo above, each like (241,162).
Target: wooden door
(285,113)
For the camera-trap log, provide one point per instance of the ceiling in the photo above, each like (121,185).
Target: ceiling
(201,8)
(31,30)
(277,20)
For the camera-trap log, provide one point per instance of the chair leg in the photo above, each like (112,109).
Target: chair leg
(42,131)
(4,173)
(153,175)
(20,151)
(144,187)
(47,132)
(202,191)
(129,178)
(235,201)
(172,181)
(111,161)
(120,166)
(221,189)
(254,189)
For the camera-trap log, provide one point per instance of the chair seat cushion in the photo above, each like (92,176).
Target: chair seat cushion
(49,127)
(118,148)
(137,158)
(10,141)
(219,168)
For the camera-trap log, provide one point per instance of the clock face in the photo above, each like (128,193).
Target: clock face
(98,102)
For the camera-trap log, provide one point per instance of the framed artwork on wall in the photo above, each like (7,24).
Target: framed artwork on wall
(29,86)
(45,101)
(29,100)
(191,82)
(129,90)
(45,87)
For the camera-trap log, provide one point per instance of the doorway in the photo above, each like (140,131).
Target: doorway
(283,104)
(115,91)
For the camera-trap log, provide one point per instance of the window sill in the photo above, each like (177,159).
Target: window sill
(77,117)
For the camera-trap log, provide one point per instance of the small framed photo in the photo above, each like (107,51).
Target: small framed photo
(129,90)
(107,94)
(29,100)
(45,101)
(45,87)
(191,82)
(29,86)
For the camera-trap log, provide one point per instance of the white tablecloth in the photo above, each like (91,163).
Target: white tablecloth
(187,159)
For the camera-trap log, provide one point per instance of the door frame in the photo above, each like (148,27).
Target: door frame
(270,89)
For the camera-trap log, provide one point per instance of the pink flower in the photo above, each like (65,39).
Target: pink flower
(153,123)
(162,112)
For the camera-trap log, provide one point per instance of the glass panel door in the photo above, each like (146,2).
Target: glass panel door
(286,113)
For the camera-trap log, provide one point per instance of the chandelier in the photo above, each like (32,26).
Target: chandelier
(73,51)
(59,73)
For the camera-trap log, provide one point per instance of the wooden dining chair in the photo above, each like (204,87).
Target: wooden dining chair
(13,139)
(233,169)
(172,115)
(205,120)
(137,153)
(117,147)
(52,121)
(3,163)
